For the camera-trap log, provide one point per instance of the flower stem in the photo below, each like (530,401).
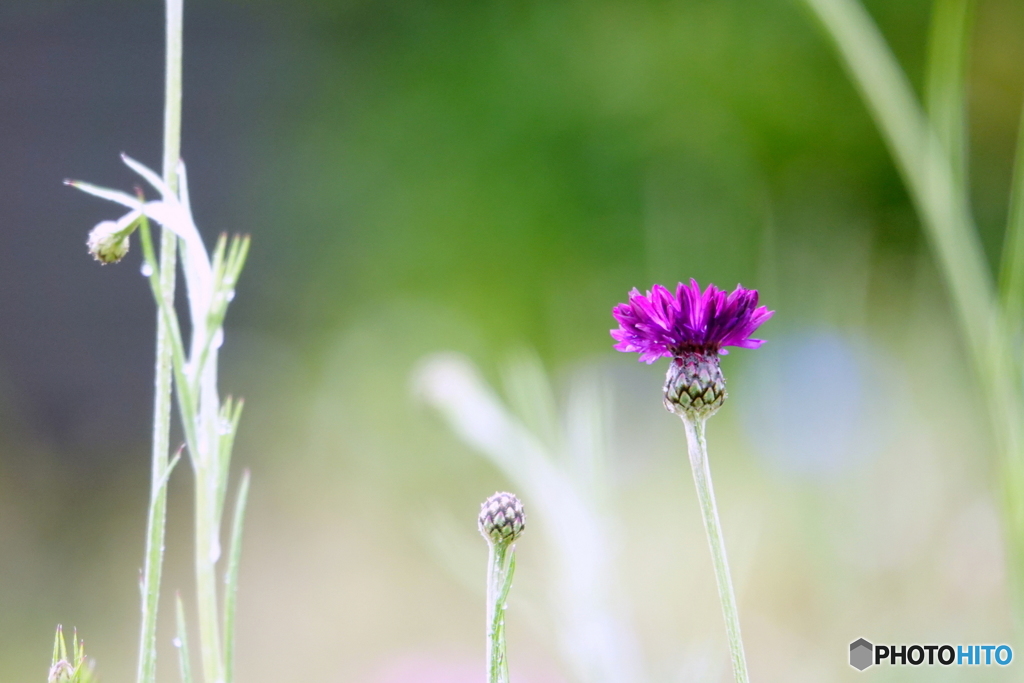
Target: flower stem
(698,448)
(500,568)
(207,552)
(157,517)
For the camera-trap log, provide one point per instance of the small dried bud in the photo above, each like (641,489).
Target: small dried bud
(108,242)
(61,672)
(694,385)
(502,518)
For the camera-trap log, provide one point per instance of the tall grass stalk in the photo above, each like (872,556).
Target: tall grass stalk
(929,151)
(209,425)
(157,518)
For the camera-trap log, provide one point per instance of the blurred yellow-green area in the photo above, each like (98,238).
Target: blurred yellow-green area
(490,178)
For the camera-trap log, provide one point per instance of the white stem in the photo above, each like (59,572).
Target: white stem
(500,567)
(698,448)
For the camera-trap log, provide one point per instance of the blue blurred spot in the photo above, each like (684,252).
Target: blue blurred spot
(814,403)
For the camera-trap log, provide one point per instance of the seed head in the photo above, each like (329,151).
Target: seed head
(502,518)
(108,242)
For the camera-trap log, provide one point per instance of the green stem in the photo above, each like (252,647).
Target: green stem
(157,517)
(698,448)
(184,662)
(945,90)
(231,577)
(208,469)
(207,551)
(501,566)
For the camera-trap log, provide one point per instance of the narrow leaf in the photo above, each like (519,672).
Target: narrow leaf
(149,175)
(183,187)
(940,201)
(104,193)
(1011,277)
(231,578)
(945,90)
(181,642)
(56,645)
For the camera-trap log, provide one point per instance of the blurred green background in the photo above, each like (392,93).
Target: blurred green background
(491,177)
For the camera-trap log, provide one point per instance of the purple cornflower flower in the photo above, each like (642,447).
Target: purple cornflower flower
(692,328)
(662,324)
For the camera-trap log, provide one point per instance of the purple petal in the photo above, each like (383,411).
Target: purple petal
(662,323)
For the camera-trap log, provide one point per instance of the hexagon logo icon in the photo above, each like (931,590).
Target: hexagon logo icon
(861,654)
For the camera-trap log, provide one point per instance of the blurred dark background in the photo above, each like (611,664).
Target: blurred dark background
(488,177)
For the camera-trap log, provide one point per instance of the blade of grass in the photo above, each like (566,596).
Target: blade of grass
(941,203)
(925,169)
(945,82)
(184,663)
(230,414)
(231,577)
(1011,277)
(60,646)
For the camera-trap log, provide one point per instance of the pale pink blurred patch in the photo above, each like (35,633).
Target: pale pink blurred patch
(424,667)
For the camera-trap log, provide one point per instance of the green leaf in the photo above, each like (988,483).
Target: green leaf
(104,193)
(181,641)
(231,577)
(945,88)
(941,201)
(1011,277)
(56,646)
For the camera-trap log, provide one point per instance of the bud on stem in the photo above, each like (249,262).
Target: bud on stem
(108,241)
(694,385)
(502,519)
(501,522)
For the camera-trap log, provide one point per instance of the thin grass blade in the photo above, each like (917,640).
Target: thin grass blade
(945,82)
(231,577)
(56,645)
(939,200)
(1011,277)
(103,193)
(181,642)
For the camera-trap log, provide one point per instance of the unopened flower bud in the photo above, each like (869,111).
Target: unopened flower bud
(108,242)
(502,518)
(694,385)
(61,672)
